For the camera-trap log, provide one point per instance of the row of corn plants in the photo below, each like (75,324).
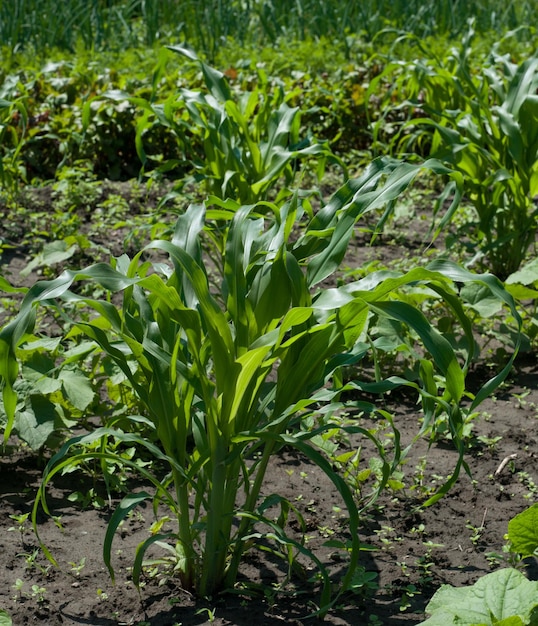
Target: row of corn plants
(67,118)
(207,26)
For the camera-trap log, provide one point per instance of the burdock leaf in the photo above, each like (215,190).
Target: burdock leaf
(523,531)
(77,388)
(503,597)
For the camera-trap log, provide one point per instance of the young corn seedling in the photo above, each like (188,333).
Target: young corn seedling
(231,376)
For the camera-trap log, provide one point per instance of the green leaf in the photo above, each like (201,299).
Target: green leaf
(77,388)
(480,298)
(53,252)
(503,595)
(128,503)
(523,531)
(141,551)
(6,286)
(526,275)
(35,423)
(5,619)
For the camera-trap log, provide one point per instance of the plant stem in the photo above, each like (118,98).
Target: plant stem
(250,504)
(218,520)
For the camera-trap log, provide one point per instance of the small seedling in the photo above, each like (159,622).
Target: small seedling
(31,561)
(477,531)
(76,568)
(85,499)
(363,582)
(18,586)
(21,524)
(102,595)
(409,592)
(520,398)
(38,593)
(211,614)
(489,442)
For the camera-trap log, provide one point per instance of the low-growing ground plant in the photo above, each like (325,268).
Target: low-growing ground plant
(231,374)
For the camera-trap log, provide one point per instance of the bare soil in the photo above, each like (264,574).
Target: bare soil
(409,549)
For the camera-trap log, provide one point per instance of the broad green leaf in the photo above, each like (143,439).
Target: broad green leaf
(77,388)
(526,275)
(5,619)
(520,292)
(43,384)
(524,82)
(53,252)
(480,298)
(36,423)
(502,595)
(523,532)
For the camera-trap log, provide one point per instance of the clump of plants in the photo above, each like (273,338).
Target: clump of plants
(240,145)
(236,347)
(483,125)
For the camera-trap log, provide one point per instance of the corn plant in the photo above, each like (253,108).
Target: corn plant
(230,376)
(485,126)
(239,145)
(13,122)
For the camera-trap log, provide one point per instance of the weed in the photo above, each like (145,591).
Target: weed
(38,593)
(528,482)
(76,568)
(476,531)
(21,527)
(18,586)
(102,595)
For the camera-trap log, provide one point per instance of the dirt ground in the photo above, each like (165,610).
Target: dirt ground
(409,550)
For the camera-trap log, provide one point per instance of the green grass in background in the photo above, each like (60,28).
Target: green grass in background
(206,26)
